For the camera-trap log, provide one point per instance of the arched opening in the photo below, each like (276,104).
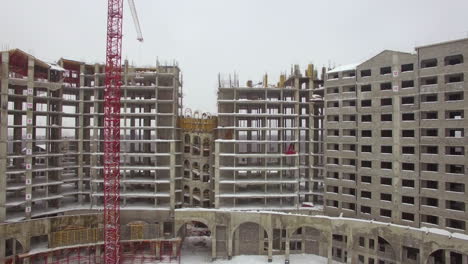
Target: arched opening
(196,197)
(384,252)
(12,248)
(187,169)
(250,239)
(206,198)
(446,256)
(195,171)
(206,172)
(187,143)
(186,195)
(196,244)
(196,145)
(305,240)
(206,147)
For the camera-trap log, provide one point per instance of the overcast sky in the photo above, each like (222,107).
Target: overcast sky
(249,37)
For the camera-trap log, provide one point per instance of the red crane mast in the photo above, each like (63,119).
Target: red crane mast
(113,83)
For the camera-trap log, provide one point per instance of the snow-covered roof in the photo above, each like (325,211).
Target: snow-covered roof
(342,68)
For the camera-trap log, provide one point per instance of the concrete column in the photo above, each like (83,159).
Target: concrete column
(270,248)
(80,134)
(330,249)
(174,249)
(172,173)
(29,130)
(464,259)
(213,243)
(216,175)
(97,255)
(229,241)
(286,247)
(447,256)
(349,247)
(3,142)
(158,250)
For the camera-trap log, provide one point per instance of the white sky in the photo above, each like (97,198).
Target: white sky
(249,37)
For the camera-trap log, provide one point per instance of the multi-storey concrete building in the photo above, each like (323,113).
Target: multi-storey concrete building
(267,155)
(395,145)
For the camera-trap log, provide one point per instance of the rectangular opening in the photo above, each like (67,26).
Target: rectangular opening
(430,219)
(454,168)
(455,187)
(366,179)
(333,90)
(453,60)
(349,132)
(407,200)
(386,133)
(366,148)
(349,89)
(385,86)
(349,118)
(332,203)
(332,189)
(409,100)
(366,118)
(456,224)
(407,117)
(385,101)
(366,133)
(407,166)
(366,195)
(333,104)
(456,150)
(349,191)
(333,147)
(428,184)
(407,216)
(429,80)
(407,133)
(386,181)
(407,84)
(386,197)
(407,67)
(386,117)
(366,73)
(385,70)
(454,96)
(366,88)
(429,201)
(429,132)
(431,167)
(429,63)
(333,118)
(333,161)
(454,78)
(407,150)
(349,147)
(454,114)
(385,213)
(365,209)
(366,164)
(332,175)
(429,98)
(349,103)
(349,176)
(332,76)
(386,149)
(455,132)
(333,132)
(386,165)
(366,103)
(429,115)
(455,205)
(407,183)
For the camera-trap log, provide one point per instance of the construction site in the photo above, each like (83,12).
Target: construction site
(102,163)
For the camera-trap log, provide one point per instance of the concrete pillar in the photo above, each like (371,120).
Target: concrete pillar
(175,246)
(172,173)
(286,247)
(158,250)
(447,256)
(229,241)
(3,138)
(80,134)
(98,254)
(29,130)
(216,175)
(213,243)
(464,259)
(270,247)
(349,247)
(330,248)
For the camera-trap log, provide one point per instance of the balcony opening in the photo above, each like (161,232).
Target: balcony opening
(429,98)
(366,73)
(333,118)
(349,147)
(349,89)
(366,88)
(365,209)
(332,189)
(349,103)
(407,67)
(456,224)
(453,60)
(432,115)
(407,200)
(407,100)
(429,63)
(333,161)
(432,167)
(429,201)
(349,206)
(386,117)
(454,168)
(386,181)
(429,80)
(455,132)
(429,132)
(332,76)
(332,203)
(407,150)
(349,191)
(333,175)
(386,86)
(366,103)
(366,148)
(385,101)
(454,96)
(407,117)
(366,194)
(407,166)
(366,133)
(333,104)
(385,70)
(407,133)
(366,179)
(333,147)
(366,118)
(386,165)
(333,132)
(454,78)
(430,219)
(407,216)
(349,132)
(455,205)
(407,183)
(454,114)
(366,164)
(349,176)
(459,151)
(385,213)
(386,149)
(349,118)
(430,184)
(333,90)
(407,84)
(455,187)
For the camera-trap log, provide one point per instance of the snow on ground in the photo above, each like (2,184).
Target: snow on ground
(197,250)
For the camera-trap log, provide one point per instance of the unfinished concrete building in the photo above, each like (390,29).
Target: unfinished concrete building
(198,131)
(265,154)
(395,138)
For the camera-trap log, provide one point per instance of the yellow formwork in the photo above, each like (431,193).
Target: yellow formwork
(198,124)
(72,237)
(136,231)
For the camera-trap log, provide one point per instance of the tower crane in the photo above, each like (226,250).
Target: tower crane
(113,82)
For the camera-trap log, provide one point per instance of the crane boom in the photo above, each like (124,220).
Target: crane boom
(113,82)
(136,21)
